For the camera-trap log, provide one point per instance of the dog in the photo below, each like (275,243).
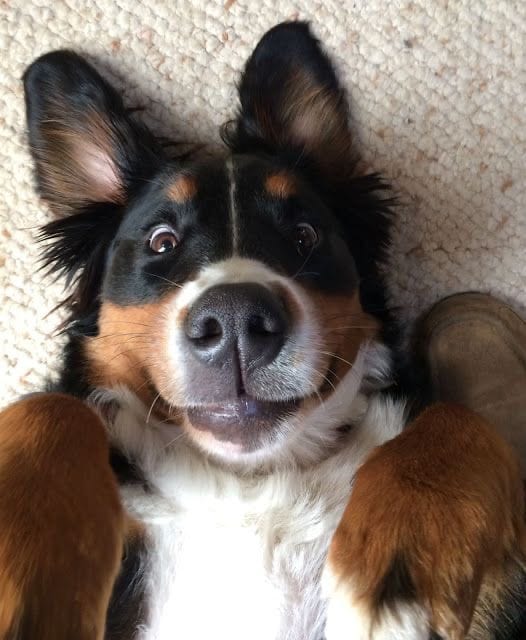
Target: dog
(224,453)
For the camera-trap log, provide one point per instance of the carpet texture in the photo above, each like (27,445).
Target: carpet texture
(438,94)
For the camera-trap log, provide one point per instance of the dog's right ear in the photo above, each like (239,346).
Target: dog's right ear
(87,147)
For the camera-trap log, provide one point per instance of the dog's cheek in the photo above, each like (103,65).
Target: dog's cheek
(132,349)
(346,326)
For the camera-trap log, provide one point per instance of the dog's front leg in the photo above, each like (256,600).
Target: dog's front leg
(432,541)
(61,522)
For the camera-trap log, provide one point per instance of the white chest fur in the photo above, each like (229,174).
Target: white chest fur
(244,566)
(232,557)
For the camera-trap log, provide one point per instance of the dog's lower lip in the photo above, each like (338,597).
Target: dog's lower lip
(239,420)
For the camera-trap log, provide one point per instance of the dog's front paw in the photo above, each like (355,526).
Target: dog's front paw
(431,537)
(61,522)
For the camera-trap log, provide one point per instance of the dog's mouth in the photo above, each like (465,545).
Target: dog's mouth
(244,421)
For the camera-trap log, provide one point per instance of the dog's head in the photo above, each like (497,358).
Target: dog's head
(224,291)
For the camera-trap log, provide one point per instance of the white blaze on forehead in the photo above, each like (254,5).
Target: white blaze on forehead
(234,214)
(232,271)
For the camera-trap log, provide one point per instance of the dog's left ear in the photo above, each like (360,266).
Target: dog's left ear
(292,102)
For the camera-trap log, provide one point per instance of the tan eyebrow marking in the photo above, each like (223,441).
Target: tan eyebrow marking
(280,185)
(182,189)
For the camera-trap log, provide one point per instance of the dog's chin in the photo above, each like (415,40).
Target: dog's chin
(237,427)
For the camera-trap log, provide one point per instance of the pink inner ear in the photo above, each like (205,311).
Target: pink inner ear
(102,179)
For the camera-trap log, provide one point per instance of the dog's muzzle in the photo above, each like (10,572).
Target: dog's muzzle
(232,333)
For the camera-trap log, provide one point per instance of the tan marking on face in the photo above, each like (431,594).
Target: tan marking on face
(181,316)
(346,326)
(183,188)
(130,350)
(280,185)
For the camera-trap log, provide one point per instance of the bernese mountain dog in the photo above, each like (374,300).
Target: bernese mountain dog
(226,453)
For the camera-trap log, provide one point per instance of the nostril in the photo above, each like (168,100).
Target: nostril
(266,324)
(205,331)
(212,329)
(260,325)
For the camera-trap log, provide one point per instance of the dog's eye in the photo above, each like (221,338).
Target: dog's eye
(305,237)
(163,239)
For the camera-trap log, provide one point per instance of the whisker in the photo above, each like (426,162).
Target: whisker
(144,384)
(139,324)
(307,273)
(329,382)
(304,263)
(353,326)
(177,437)
(155,275)
(349,317)
(119,335)
(151,407)
(326,379)
(145,340)
(125,353)
(335,355)
(333,373)
(320,398)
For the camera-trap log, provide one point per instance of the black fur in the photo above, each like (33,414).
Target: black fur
(510,622)
(396,586)
(76,249)
(127,610)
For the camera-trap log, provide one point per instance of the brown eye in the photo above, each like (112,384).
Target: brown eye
(305,237)
(163,239)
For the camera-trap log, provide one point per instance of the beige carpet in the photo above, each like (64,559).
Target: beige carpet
(439,102)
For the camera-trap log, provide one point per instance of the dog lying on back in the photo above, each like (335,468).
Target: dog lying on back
(222,456)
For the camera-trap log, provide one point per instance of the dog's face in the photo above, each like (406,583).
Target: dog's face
(247,292)
(224,291)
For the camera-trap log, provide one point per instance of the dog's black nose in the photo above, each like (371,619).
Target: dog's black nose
(247,322)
